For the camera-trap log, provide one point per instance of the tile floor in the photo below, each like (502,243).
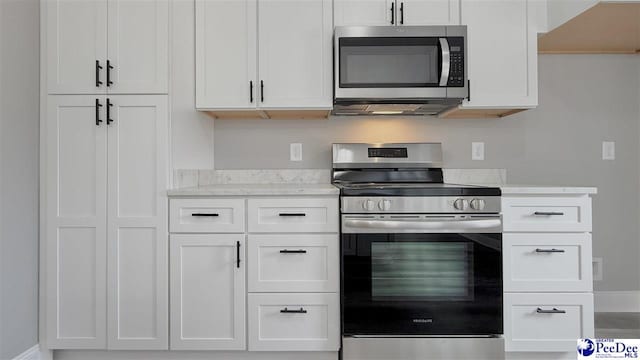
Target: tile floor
(617,325)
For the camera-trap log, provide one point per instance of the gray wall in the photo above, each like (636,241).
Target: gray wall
(584,100)
(19,129)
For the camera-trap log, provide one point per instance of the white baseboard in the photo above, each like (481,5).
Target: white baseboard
(32,353)
(617,301)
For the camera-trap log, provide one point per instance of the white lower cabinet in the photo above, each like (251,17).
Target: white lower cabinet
(105,241)
(547,321)
(293,263)
(207,292)
(294,322)
(547,262)
(283,215)
(548,299)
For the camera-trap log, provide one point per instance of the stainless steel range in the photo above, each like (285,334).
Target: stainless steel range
(419,257)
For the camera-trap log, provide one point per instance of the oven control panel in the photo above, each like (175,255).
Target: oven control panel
(421,204)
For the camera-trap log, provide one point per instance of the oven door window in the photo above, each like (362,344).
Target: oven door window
(422,284)
(421,271)
(389,62)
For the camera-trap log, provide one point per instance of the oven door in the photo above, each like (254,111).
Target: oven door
(422,282)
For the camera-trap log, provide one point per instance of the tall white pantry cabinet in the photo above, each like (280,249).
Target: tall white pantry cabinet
(105,173)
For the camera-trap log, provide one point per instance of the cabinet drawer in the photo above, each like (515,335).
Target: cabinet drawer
(293,215)
(547,322)
(206,215)
(547,262)
(293,263)
(547,214)
(294,322)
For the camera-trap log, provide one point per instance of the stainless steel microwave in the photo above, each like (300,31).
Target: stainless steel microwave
(412,70)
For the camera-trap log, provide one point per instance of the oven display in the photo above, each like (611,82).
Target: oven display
(388,152)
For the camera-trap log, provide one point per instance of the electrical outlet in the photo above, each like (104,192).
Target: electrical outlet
(477,151)
(597,268)
(295,152)
(608,150)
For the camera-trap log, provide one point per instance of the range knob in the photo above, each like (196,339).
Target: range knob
(384,205)
(460,204)
(477,204)
(368,205)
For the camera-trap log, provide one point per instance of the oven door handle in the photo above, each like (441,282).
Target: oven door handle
(449,226)
(446,61)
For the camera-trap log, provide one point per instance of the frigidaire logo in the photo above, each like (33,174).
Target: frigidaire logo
(423,321)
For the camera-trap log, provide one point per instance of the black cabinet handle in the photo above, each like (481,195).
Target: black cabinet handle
(401,13)
(548,213)
(98,68)
(291,214)
(261,91)
(549,250)
(251,91)
(98,106)
(205,214)
(109,67)
(552,311)
(238,254)
(287,311)
(109,105)
(393,14)
(468,90)
(287,251)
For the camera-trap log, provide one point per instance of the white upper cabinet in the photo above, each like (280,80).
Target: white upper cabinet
(138,46)
(76,176)
(76,41)
(82,36)
(226,54)
(137,239)
(396,12)
(264,54)
(295,52)
(208,292)
(502,53)
(363,12)
(428,12)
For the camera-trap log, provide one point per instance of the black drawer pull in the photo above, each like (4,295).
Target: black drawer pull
(109,68)
(287,251)
(552,311)
(204,215)
(549,250)
(287,311)
(238,254)
(292,214)
(98,106)
(98,68)
(548,213)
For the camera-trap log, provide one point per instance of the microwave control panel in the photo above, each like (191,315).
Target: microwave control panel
(456,65)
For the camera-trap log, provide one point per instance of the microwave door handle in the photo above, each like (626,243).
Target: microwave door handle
(446,61)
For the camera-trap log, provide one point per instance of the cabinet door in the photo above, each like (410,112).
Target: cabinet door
(295,49)
(76,37)
(137,222)
(138,47)
(502,53)
(208,292)
(363,12)
(428,12)
(226,54)
(75,223)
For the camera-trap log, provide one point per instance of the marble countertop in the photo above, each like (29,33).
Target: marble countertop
(256,190)
(526,189)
